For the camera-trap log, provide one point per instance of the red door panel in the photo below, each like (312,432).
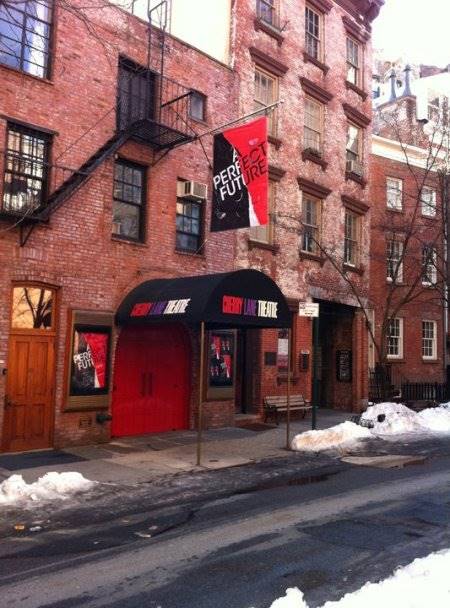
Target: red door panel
(151,381)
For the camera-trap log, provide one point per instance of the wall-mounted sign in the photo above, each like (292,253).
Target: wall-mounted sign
(344,365)
(165,307)
(283,350)
(221,358)
(308,309)
(240,177)
(90,360)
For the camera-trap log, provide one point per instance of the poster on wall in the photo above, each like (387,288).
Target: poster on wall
(283,350)
(240,177)
(221,359)
(90,360)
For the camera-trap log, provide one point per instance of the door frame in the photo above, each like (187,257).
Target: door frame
(53,333)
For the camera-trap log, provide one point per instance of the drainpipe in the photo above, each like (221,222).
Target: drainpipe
(445,205)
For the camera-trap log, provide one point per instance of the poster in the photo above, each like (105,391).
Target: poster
(221,359)
(283,350)
(240,177)
(90,361)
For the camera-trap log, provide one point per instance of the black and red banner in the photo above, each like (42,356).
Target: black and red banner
(240,180)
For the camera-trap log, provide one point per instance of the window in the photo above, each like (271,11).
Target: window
(394,338)
(313,127)
(353,62)
(428,201)
(313,33)
(197,106)
(135,94)
(267,11)
(266,93)
(353,150)
(26,169)
(189,225)
(311,218)
(351,238)
(25,29)
(429,267)
(129,200)
(429,345)
(32,308)
(264,234)
(394,193)
(394,261)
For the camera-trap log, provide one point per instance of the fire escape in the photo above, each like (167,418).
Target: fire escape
(150,108)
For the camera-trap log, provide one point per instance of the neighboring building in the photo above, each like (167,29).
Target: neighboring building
(103,189)
(408,285)
(315,57)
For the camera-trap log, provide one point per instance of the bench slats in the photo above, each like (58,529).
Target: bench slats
(278,403)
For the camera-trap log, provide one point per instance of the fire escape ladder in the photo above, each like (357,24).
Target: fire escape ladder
(82,175)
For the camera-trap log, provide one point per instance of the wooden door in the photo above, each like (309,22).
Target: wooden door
(29,396)
(28,408)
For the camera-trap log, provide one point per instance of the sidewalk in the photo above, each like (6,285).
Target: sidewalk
(139,459)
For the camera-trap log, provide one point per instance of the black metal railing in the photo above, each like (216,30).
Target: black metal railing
(424,391)
(28,183)
(267,12)
(159,114)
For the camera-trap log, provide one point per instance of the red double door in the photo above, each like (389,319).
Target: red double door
(151,381)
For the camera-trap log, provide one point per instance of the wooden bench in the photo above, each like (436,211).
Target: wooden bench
(278,403)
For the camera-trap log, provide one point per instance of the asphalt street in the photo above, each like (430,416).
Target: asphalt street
(235,538)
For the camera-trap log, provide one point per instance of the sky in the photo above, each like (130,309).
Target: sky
(417,30)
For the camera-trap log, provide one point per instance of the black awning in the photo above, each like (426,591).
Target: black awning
(244,298)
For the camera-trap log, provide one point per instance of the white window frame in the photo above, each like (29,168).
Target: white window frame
(399,337)
(428,202)
(319,56)
(429,340)
(394,193)
(352,238)
(311,231)
(394,263)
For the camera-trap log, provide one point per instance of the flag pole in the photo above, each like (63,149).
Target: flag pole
(266,109)
(200,394)
(288,395)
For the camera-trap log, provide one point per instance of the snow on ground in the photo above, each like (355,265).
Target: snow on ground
(340,435)
(424,582)
(51,486)
(388,419)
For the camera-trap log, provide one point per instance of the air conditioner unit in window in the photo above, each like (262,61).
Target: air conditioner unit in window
(193,190)
(355,167)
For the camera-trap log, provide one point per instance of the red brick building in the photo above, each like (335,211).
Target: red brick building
(98,197)
(315,57)
(408,279)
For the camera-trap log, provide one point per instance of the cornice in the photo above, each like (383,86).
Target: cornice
(354,204)
(356,116)
(312,188)
(355,30)
(314,90)
(267,62)
(323,6)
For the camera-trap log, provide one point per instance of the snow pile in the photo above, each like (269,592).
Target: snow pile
(394,418)
(424,582)
(388,419)
(436,418)
(342,434)
(49,487)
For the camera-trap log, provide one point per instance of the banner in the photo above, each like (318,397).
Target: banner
(240,177)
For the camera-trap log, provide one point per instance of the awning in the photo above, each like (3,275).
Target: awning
(244,298)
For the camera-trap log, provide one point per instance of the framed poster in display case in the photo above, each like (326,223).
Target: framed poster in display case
(221,364)
(89,360)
